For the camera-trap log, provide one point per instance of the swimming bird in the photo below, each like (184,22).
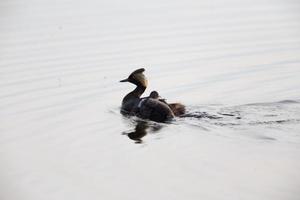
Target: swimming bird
(150,107)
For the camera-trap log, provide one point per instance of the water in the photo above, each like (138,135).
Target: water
(235,65)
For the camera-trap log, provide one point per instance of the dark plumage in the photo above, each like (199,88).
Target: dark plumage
(151,107)
(154,110)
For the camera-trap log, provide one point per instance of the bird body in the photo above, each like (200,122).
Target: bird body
(151,107)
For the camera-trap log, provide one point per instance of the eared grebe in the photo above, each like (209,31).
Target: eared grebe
(151,107)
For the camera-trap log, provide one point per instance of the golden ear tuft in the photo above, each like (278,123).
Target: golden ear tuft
(141,79)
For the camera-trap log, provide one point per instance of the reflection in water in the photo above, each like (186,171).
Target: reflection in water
(141,130)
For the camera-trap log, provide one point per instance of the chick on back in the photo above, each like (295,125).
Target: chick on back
(152,108)
(177,108)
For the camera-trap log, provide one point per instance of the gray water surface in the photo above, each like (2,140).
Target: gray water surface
(234,64)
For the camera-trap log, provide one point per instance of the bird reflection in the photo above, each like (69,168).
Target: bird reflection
(141,130)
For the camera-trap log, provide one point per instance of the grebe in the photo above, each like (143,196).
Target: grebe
(151,107)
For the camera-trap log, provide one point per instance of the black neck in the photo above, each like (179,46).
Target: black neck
(136,93)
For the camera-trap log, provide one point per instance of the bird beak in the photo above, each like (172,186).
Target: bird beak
(125,80)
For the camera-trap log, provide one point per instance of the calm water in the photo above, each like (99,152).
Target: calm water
(236,64)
